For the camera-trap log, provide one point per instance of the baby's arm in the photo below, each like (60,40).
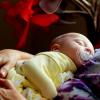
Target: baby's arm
(33,70)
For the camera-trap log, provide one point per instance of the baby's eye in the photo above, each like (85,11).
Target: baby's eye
(80,42)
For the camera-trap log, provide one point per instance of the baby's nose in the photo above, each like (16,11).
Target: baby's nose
(89,50)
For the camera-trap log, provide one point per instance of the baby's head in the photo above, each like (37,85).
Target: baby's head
(74,45)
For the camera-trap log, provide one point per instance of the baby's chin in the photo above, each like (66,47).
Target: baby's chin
(79,62)
(82,62)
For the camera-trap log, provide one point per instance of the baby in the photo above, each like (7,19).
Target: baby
(46,71)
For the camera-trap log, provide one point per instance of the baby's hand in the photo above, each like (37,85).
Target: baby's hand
(8,59)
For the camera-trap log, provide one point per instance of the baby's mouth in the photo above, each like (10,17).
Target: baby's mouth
(83,56)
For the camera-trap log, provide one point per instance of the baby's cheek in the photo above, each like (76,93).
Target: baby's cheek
(79,56)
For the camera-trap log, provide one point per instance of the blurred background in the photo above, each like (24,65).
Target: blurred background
(30,25)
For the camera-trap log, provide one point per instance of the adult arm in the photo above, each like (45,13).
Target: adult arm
(8,91)
(8,59)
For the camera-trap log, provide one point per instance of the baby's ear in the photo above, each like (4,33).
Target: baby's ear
(55,47)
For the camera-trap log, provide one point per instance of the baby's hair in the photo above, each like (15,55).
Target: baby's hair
(60,39)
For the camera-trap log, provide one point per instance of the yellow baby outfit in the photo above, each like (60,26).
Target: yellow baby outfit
(42,75)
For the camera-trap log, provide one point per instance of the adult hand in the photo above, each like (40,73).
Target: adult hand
(8,91)
(8,59)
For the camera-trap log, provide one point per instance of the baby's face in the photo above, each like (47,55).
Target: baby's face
(78,48)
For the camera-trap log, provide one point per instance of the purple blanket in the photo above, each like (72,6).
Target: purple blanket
(85,85)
